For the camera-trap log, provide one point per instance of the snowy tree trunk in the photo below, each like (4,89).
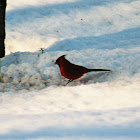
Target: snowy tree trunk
(2,30)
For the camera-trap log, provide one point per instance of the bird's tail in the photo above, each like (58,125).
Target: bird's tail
(96,70)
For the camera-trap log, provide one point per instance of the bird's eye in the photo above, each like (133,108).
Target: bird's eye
(57,61)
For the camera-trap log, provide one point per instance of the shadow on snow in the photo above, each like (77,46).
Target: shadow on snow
(124,39)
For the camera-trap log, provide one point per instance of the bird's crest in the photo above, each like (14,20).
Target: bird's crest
(59,59)
(63,56)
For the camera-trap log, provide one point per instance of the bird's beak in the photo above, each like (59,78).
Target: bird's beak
(55,63)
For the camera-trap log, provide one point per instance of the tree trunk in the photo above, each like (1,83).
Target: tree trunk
(2,27)
(2,30)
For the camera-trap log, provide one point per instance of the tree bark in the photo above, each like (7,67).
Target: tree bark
(2,27)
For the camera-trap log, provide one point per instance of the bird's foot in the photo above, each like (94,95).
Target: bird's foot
(70,80)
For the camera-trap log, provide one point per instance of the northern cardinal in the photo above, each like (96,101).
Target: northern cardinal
(72,71)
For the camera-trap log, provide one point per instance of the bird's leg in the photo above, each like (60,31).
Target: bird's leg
(70,80)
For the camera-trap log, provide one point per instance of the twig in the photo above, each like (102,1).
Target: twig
(42,50)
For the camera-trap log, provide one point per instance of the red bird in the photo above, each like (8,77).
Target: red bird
(72,71)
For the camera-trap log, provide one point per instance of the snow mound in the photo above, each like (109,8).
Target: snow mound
(37,70)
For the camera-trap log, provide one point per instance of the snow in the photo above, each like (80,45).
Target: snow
(34,101)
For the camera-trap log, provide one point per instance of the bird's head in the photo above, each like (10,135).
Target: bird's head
(60,60)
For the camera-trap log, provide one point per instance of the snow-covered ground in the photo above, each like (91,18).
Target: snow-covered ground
(35,104)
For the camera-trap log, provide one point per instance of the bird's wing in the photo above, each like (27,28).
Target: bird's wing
(76,70)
